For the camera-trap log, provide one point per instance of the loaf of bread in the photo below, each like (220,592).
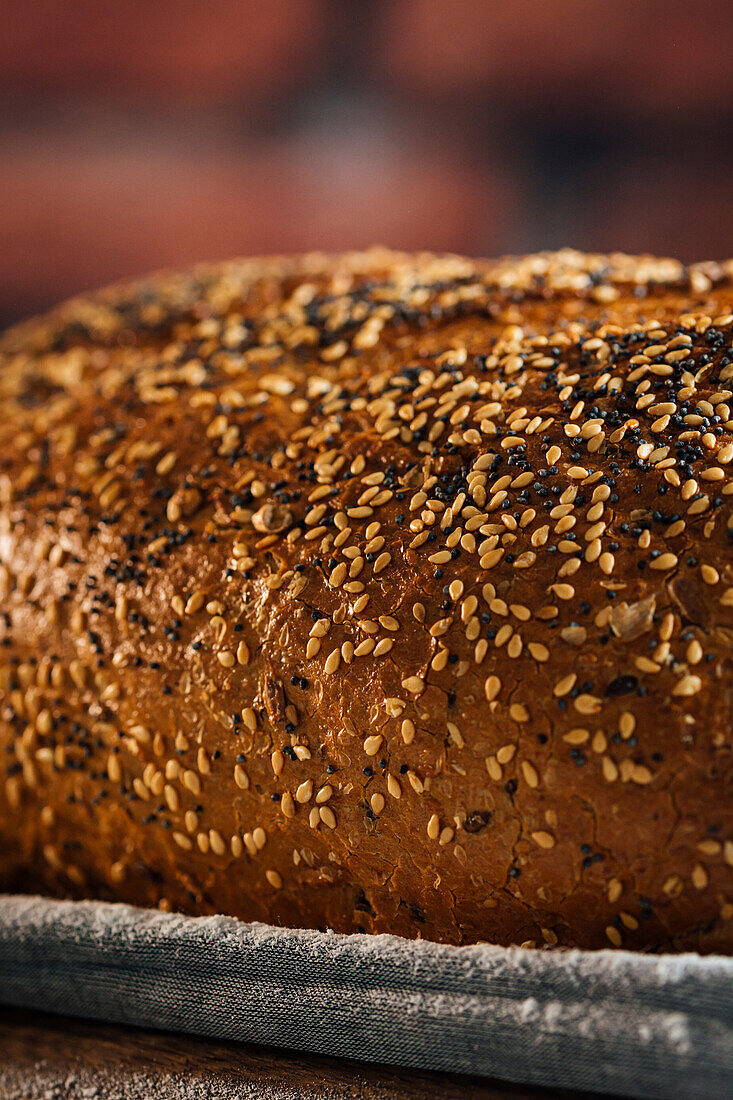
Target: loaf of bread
(377,592)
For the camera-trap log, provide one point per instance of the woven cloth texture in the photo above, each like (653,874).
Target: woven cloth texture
(605,1021)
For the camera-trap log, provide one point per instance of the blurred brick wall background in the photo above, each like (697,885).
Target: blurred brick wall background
(148,133)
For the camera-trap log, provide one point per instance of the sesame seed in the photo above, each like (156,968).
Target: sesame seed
(529,772)
(171,797)
(688,685)
(710,575)
(576,736)
(332,662)
(699,876)
(287,805)
(216,841)
(304,791)
(377,803)
(492,687)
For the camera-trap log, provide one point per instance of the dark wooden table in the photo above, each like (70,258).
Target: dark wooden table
(44,1057)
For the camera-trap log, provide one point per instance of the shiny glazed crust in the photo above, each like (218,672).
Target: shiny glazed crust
(377,592)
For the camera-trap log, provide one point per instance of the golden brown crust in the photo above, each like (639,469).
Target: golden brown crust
(377,592)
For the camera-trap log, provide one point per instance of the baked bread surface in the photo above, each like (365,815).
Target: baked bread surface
(377,592)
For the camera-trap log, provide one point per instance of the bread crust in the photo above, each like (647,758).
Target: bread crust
(377,592)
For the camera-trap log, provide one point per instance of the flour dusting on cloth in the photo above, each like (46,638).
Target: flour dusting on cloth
(606,1021)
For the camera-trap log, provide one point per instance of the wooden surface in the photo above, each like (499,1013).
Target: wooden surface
(44,1057)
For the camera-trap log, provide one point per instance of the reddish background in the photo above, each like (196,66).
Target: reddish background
(147,133)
